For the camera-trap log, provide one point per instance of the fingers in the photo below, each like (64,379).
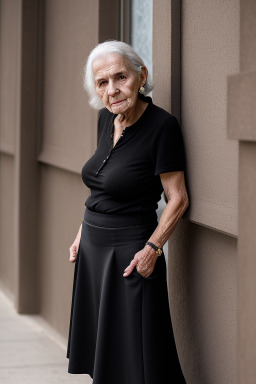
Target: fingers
(145,269)
(130,267)
(146,264)
(144,261)
(73,253)
(145,273)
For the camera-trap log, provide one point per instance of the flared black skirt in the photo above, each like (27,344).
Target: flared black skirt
(120,327)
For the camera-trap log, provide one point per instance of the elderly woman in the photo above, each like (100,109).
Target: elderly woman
(120,324)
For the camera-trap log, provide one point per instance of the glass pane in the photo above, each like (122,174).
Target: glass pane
(141,30)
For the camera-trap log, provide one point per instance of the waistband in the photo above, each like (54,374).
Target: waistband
(119,220)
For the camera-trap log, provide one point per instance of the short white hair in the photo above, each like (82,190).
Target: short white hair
(109,47)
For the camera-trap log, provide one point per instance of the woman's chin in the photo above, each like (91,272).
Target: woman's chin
(119,107)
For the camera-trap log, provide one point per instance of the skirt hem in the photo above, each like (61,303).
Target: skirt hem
(74,371)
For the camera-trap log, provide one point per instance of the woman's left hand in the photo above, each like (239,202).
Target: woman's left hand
(144,261)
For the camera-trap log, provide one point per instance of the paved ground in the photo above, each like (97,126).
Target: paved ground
(29,354)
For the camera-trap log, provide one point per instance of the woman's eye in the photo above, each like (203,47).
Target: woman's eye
(122,77)
(102,83)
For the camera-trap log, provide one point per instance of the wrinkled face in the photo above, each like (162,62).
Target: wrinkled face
(116,83)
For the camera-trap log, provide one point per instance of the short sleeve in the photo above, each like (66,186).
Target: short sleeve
(168,150)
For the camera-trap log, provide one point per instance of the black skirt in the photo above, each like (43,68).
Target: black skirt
(120,327)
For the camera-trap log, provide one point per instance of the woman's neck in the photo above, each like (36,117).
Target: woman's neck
(131,118)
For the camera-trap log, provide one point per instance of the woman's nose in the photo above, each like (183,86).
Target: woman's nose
(111,89)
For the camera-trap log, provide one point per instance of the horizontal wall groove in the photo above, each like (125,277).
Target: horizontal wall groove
(60,160)
(204,225)
(7,149)
(207,213)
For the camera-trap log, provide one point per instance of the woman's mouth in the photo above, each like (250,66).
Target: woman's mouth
(117,102)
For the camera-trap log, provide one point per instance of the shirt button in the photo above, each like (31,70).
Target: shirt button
(104,161)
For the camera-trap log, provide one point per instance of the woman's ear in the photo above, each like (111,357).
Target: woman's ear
(143,74)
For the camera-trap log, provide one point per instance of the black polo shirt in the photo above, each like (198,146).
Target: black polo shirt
(125,179)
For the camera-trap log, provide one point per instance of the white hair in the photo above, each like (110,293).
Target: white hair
(108,47)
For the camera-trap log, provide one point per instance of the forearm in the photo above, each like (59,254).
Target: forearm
(78,236)
(172,212)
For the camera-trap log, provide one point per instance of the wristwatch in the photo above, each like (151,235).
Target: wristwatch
(158,250)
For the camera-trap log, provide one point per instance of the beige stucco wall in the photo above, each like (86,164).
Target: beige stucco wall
(9,72)
(202,291)
(70,33)
(6,225)
(62,197)
(68,138)
(202,251)
(210,52)
(202,264)
(247,262)
(241,126)
(9,81)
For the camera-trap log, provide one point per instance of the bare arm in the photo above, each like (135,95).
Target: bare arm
(176,194)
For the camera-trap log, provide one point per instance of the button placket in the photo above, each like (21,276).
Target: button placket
(111,149)
(103,163)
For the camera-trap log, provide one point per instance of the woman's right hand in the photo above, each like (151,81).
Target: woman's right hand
(73,250)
